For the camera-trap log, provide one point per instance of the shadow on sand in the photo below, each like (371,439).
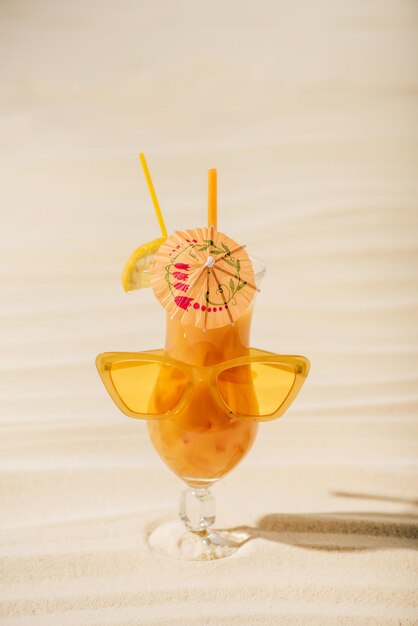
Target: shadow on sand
(347,531)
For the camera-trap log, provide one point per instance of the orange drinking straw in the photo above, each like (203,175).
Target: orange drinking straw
(212,198)
(153,195)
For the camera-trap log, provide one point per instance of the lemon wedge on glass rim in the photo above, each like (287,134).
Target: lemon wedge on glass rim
(135,274)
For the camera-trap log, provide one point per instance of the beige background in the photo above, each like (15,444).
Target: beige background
(309,112)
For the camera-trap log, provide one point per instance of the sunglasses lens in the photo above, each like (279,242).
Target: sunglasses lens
(148,388)
(255,389)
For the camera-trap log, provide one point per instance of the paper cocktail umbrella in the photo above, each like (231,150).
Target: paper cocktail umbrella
(203,278)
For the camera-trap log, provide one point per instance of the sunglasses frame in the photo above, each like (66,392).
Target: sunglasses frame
(209,374)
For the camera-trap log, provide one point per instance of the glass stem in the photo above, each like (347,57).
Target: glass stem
(197,509)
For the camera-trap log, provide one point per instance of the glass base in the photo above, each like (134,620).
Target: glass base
(172,539)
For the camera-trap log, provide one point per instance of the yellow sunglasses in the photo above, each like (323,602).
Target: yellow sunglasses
(149,385)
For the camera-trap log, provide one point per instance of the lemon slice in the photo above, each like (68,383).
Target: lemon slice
(135,274)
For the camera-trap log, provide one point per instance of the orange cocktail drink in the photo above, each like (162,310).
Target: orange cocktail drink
(204,393)
(202,443)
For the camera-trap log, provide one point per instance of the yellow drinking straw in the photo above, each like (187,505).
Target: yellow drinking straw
(153,195)
(212,198)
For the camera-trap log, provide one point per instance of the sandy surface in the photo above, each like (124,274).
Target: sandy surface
(309,112)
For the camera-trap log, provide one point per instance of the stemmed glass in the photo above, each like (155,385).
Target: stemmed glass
(202,443)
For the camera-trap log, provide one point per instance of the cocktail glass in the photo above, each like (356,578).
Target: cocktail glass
(202,443)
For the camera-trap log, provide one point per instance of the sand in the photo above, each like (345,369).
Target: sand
(309,112)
